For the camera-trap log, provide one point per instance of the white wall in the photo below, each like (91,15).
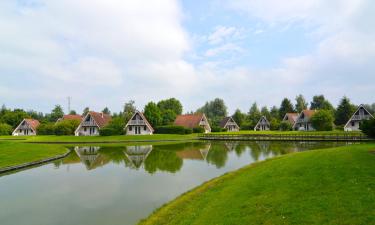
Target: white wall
(131,130)
(20,132)
(81,131)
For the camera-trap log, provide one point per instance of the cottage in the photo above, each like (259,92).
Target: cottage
(291,118)
(137,155)
(92,123)
(138,125)
(27,127)
(359,115)
(303,122)
(229,124)
(70,117)
(262,124)
(192,121)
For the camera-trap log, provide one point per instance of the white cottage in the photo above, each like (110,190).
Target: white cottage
(291,118)
(138,125)
(27,127)
(92,123)
(229,124)
(303,122)
(359,115)
(262,124)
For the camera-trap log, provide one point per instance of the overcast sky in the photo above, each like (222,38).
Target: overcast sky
(106,52)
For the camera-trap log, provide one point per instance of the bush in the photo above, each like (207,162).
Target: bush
(171,130)
(46,129)
(5,129)
(322,120)
(247,127)
(198,130)
(66,127)
(285,126)
(274,124)
(108,131)
(218,129)
(188,131)
(368,127)
(115,127)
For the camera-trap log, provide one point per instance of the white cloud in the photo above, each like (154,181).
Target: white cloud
(225,48)
(223,33)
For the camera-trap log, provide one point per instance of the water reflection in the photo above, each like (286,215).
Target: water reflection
(170,158)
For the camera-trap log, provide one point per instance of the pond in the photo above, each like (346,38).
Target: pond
(123,184)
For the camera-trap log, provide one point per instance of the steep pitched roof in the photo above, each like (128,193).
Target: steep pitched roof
(263,119)
(189,120)
(33,123)
(72,117)
(224,121)
(101,119)
(291,117)
(144,119)
(361,106)
(308,113)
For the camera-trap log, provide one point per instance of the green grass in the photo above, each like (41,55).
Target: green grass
(330,186)
(14,153)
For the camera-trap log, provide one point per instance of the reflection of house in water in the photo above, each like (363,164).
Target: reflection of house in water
(195,154)
(231,146)
(137,155)
(264,146)
(90,156)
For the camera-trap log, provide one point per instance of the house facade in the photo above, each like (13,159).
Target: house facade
(291,118)
(27,127)
(358,116)
(138,125)
(262,124)
(92,123)
(229,124)
(192,121)
(303,122)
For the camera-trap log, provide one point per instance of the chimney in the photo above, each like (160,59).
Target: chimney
(102,114)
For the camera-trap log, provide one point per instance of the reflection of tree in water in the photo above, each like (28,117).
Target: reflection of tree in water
(163,161)
(218,155)
(240,149)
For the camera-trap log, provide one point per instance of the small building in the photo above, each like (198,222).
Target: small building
(262,124)
(70,117)
(192,121)
(291,118)
(138,125)
(303,122)
(92,123)
(229,124)
(358,116)
(27,127)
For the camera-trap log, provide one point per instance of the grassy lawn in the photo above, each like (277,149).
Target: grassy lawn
(330,186)
(13,153)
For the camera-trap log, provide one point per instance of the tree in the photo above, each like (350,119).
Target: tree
(66,127)
(265,112)
(114,127)
(56,113)
(72,112)
(46,129)
(129,110)
(215,111)
(85,111)
(254,115)
(285,126)
(301,103)
(322,120)
(153,114)
(14,117)
(319,102)
(285,107)
(170,104)
(368,127)
(274,112)
(106,110)
(168,117)
(5,129)
(274,124)
(344,111)
(239,117)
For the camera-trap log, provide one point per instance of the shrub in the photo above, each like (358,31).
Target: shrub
(108,131)
(285,126)
(46,129)
(66,127)
(198,130)
(368,127)
(188,131)
(218,129)
(171,130)
(115,127)
(247,127)
(5,129)
(322,120)
(274,124)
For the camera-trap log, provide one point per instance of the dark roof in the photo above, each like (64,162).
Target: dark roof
(224,121)
(189,120)
(101,119)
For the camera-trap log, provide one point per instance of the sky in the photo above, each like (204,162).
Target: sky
(107,52)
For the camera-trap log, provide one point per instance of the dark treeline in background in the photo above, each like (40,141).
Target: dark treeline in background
(164,112)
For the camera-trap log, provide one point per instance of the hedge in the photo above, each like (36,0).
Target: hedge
(172,130)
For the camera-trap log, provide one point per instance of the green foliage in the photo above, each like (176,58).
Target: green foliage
(72,112)
(319,102)
(285,126)
(114,127)
(46,129)
(344,111)
(168,117)
(218,129)
(163,161)
(172,130)
(85,111)
(153,114)
(368,127)
(66,127)
(188,131)
(170,104)
(239,117)
(265,112)
(56,113)
(254,115)
(5,129)
(285,107)
(198,130)
(129,110)
(106,110)
(301,103)
(215,111)
(274,124)
(322,120)
(14,117)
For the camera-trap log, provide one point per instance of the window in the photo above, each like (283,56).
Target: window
(84,129)
(353,123)
(130,128)
(144,128)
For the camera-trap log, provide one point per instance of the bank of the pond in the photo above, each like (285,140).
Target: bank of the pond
(329,186)
(13,154)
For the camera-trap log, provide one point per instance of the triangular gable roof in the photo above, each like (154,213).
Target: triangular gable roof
(144,119)
(72,117)
(361,106)
(101,119)
(189,120)
(307,112)
(224,121)
(291,117)
(263,118)
(34,124)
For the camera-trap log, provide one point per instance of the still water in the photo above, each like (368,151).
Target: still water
(123,184)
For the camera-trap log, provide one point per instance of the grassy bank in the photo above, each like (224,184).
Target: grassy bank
(330,186)
(13,153)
